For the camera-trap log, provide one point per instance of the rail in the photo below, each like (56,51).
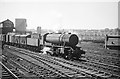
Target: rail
(9,71)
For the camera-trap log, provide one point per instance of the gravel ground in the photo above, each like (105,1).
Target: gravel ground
(97,52)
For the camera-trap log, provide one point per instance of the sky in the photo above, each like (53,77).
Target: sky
(62,14)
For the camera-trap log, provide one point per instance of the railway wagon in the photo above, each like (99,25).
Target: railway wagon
(23,40)
(3,39)
(16,40)
(7,38)
(112,42)
(35,43)
(11,38)
(0,37)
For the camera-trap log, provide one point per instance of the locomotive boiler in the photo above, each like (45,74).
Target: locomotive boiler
(61,39)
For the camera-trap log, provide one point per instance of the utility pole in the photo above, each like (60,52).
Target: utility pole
(39,36)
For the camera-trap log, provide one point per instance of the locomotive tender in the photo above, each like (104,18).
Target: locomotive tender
(59,44)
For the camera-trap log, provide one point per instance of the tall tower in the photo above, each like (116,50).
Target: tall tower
(20,25)
(39,30)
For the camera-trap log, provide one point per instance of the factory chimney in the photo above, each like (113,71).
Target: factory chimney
(39,30)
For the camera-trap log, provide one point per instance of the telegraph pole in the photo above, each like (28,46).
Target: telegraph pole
(39,36)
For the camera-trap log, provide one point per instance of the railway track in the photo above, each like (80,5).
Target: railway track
(109,57)
(34,74)
(25,72)
(69,72)
(9,73)
(100,73)
(61,69)
(99,52)
(39,71)
(67,64)
(17,69)
(104,59)
(112,68)
(37,68)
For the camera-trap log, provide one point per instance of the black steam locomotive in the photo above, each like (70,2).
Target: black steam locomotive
(63,45)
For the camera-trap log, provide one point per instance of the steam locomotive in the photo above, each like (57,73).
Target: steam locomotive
(55,44)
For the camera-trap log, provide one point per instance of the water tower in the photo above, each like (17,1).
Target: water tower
(20,25)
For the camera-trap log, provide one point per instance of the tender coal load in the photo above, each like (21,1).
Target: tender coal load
(68,39)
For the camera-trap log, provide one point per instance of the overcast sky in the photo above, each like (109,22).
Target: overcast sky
(62,14)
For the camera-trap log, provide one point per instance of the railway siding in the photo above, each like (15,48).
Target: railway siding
(111,69)
(59,68)
(81,69)
(32,61)
(84,70)
(9,73)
